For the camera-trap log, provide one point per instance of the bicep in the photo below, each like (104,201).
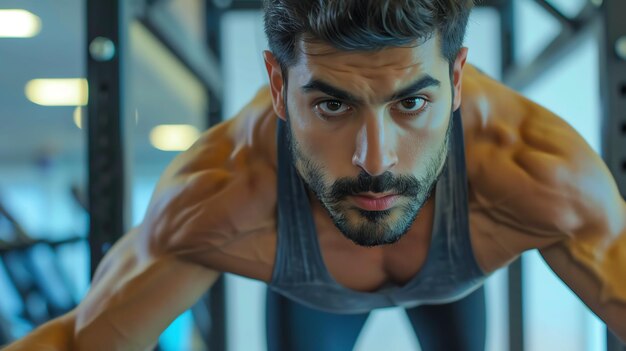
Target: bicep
(537,182)
(585,211)
(136,295)
(547,180)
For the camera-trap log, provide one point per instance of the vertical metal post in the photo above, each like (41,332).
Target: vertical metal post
(104,137)
(515,271)
(516,306)
(217,295)
(507,39)
(214,43)
(613,85)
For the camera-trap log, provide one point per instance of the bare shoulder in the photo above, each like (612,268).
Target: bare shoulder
(212,211)
(215,203)
(533,179)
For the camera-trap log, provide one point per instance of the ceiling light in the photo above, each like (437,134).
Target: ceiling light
(173,137)
(58,92)
(18,24)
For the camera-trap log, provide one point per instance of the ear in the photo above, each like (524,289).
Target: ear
(457,76)
(275,75)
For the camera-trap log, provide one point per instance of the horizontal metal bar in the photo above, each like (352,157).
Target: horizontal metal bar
(243,5)
(25,245)
(492,3)
(197,59)
(556,13)
(520,77)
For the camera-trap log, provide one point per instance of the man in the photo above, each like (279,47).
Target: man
(377,170)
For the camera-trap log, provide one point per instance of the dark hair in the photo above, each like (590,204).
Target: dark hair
(366,25)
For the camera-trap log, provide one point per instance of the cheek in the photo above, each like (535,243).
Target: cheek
(418,148)
(332,152)
(411,155)
(316,145)
(330,148)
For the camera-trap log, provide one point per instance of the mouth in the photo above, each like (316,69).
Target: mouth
(375,202)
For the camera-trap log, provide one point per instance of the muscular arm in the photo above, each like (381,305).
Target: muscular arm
(213,210)
(136,296)
(595,269)
(536,184)
(133,298)
(56,335)
(144,282)
(590,256)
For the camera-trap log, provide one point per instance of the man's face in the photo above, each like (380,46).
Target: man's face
(368,133)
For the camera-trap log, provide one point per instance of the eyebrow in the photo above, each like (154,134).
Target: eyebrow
(423,82)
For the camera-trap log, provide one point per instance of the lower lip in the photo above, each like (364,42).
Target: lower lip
(375,204)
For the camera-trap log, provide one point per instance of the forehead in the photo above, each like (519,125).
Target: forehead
(371,72)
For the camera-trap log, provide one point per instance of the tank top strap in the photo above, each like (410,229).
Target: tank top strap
(452,239)
(298,256)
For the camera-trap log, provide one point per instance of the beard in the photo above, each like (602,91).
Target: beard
(369,228)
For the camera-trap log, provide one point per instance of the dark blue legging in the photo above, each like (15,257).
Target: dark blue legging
(458,325)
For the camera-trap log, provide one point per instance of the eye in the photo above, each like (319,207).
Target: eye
(332,107)
(411,105)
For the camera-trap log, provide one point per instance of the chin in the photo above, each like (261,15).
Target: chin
(377,228)
(374,241)
(373,228)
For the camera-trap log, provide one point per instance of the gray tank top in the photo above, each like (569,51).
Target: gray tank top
(449,273)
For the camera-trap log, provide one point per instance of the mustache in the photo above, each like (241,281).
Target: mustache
(386,182)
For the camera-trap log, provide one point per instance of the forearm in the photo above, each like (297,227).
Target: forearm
(56,335)
(595,268)
(103,334)
(615,293)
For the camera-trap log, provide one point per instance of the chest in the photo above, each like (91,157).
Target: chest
(369,271)
(366,268)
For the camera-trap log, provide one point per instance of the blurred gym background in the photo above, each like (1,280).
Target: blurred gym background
(150,75)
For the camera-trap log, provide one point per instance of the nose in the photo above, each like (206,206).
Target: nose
(375,150)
